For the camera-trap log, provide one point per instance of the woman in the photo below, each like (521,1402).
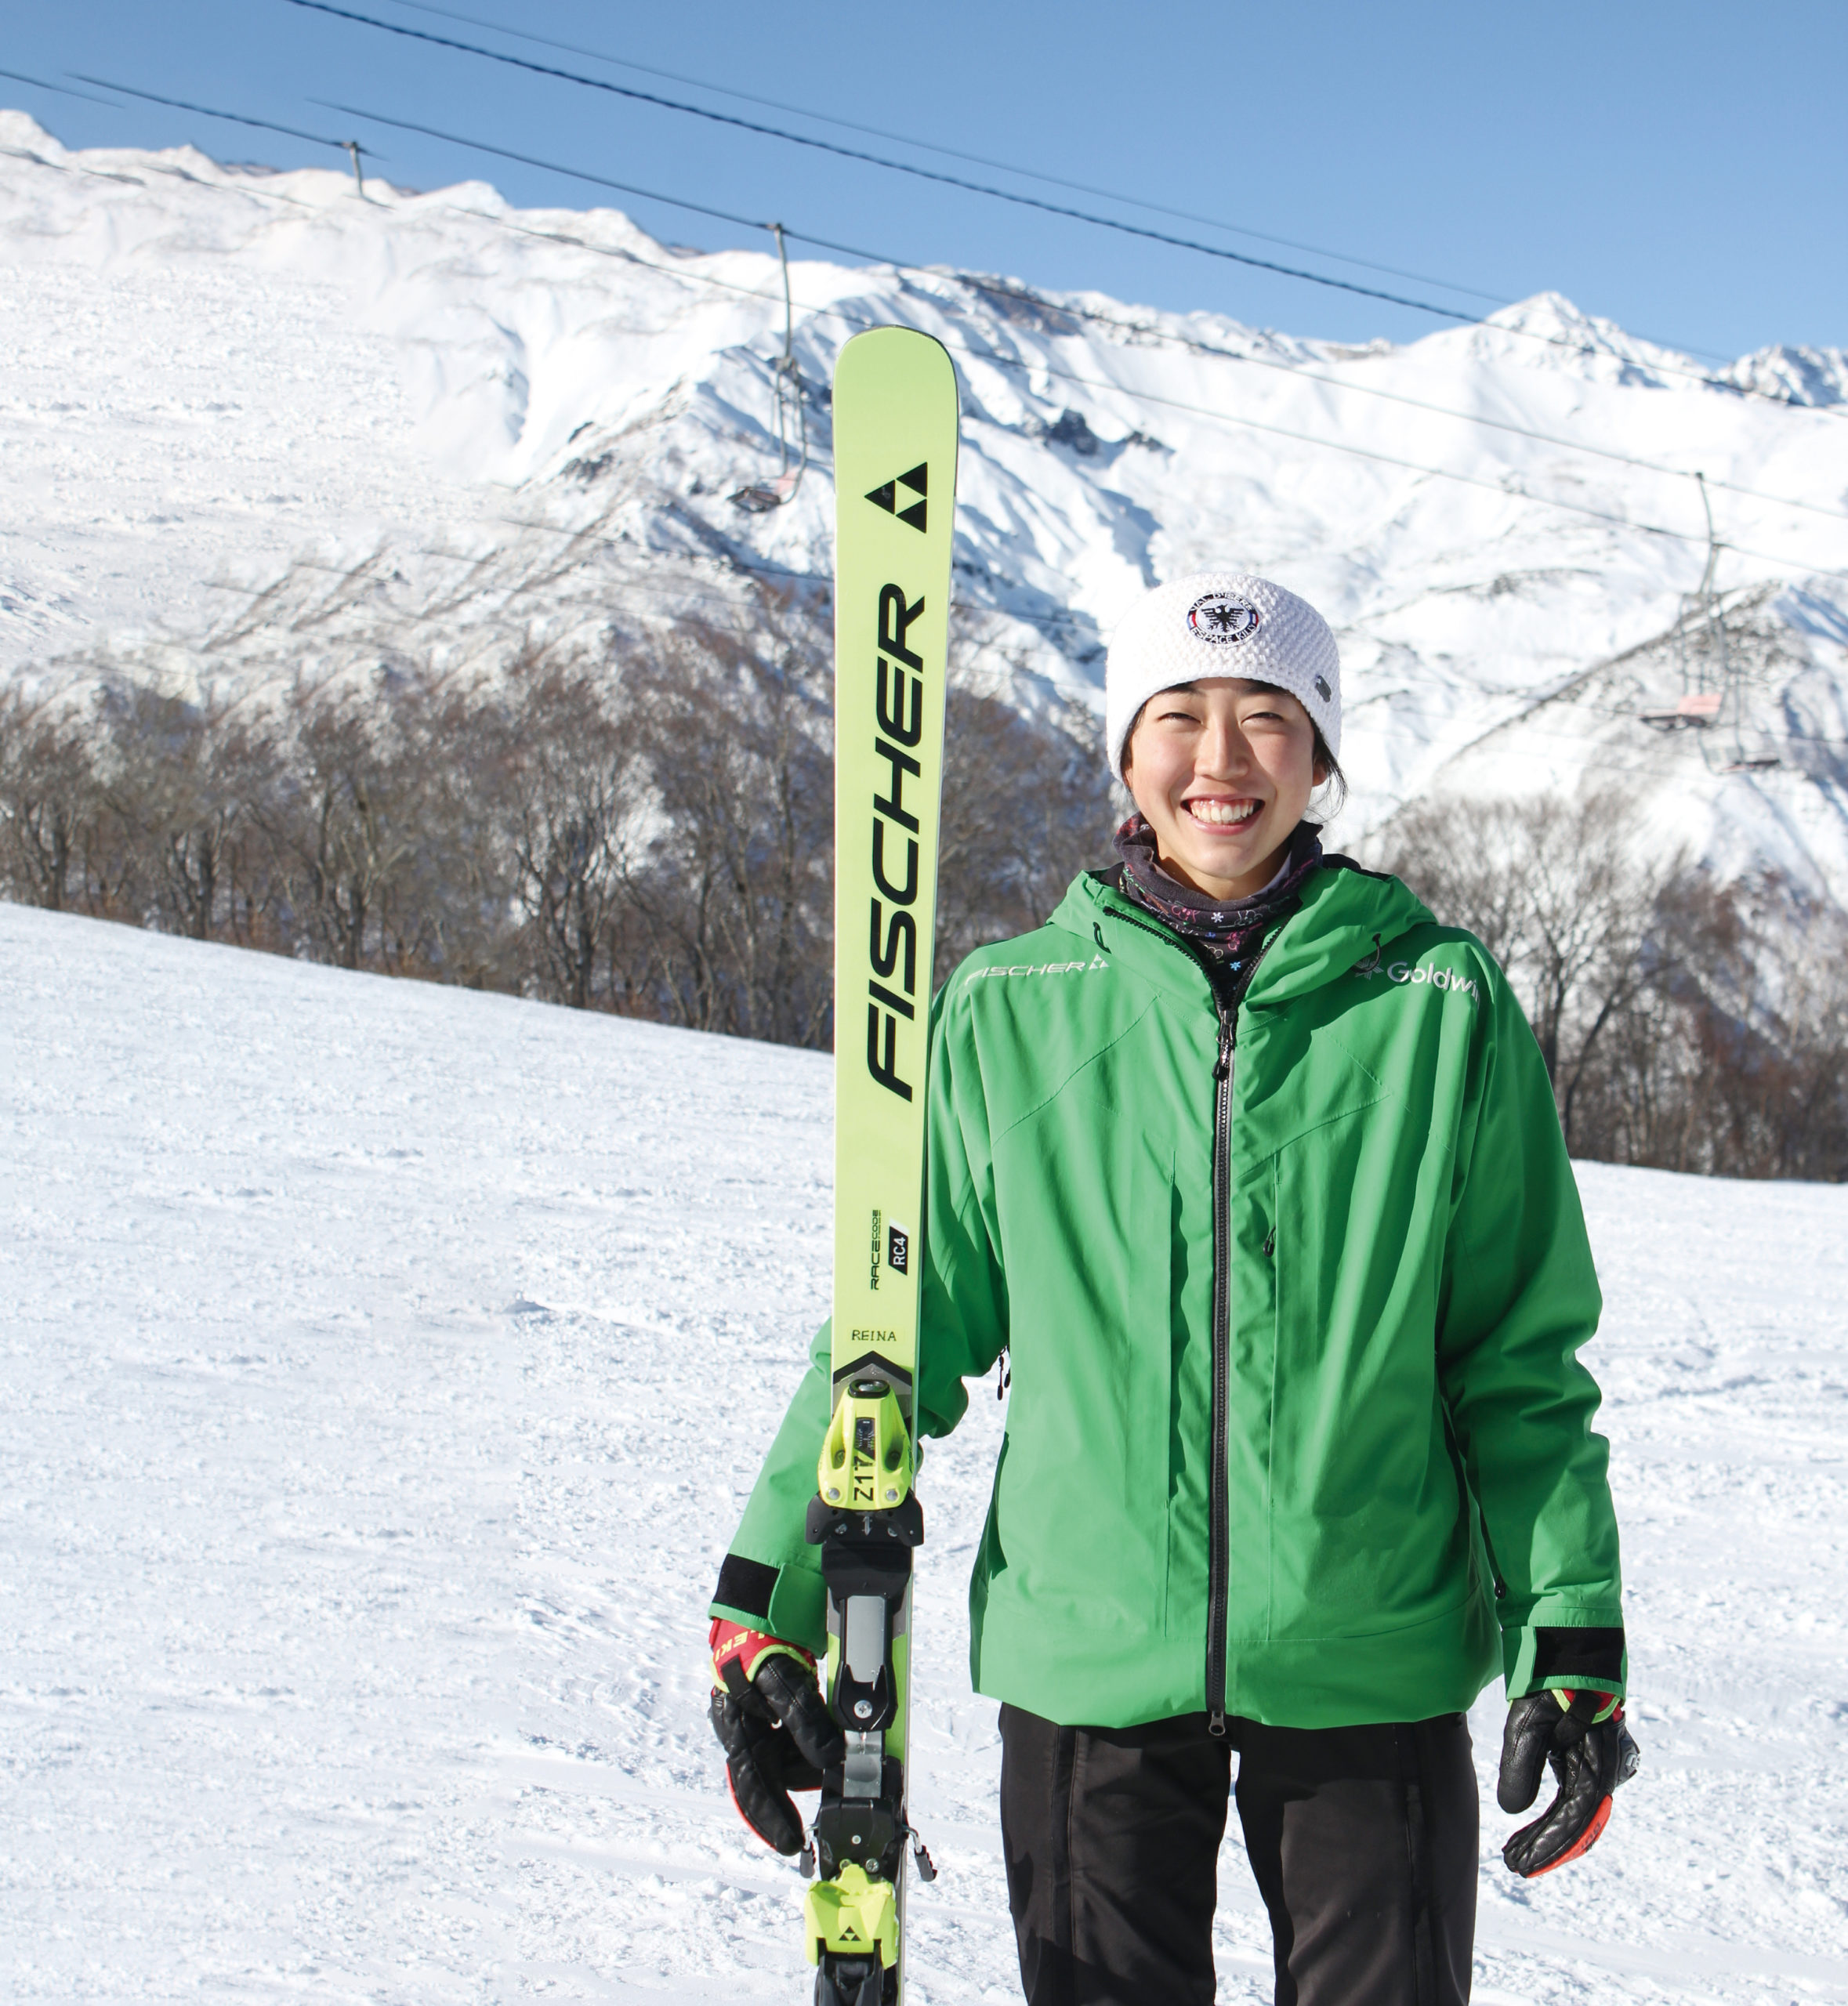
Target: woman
(1254,1170)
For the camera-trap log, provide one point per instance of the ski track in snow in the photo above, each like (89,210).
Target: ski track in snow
(387,1365)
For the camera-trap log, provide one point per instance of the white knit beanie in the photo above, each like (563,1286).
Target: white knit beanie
(1220,623)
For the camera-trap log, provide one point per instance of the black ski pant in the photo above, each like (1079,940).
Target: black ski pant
(1363,1841)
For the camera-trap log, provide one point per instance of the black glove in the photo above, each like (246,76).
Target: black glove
(774,1726)
(1583,1737)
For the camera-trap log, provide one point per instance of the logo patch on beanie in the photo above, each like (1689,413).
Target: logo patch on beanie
(1321,683)
(1220,617)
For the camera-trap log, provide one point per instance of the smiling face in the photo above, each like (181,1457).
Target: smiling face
(1222,770)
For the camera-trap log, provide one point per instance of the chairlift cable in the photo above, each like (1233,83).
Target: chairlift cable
(229,117)
(1192,344)
(878,160)
(1694,375)
(594,180)
(60,90)
(953,181)
(956,153)
(1004,361)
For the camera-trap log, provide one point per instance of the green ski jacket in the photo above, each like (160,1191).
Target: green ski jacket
(1293,1297)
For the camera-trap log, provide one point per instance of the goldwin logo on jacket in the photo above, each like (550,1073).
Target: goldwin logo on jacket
(1414,972)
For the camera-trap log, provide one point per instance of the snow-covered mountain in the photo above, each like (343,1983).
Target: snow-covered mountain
(219,382)
(386,1366)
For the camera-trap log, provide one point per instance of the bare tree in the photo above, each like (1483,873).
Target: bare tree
(51,801)
(1763,1001)
(343,827)
(574,788)
(1590,946)
(180,778)
(447,905)
(736,895)
(1452,853)
(1648,1095)
(1027,805)
(1553,888)
(652,833)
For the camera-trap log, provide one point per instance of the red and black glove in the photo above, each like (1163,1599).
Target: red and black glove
(774,1727)
(1582,1735)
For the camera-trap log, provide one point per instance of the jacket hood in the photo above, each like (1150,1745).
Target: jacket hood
(1346,914)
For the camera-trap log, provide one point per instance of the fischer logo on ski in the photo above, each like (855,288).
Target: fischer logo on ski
(893,947)
(918,480)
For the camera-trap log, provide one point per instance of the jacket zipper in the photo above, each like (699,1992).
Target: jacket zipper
(1218,1537)
(1219,1530)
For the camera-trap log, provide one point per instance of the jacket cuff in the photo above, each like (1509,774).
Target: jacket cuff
(788,1602)
(1539,1656)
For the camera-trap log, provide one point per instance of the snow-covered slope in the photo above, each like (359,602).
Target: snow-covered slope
(534,420)
(385,1366)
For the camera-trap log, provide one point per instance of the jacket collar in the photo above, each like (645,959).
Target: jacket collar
(1346,914)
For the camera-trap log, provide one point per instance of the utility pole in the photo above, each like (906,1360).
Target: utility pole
(354,150)
(1711,615)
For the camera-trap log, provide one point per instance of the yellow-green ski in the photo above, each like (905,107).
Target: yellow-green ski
(895,416)
(895,487)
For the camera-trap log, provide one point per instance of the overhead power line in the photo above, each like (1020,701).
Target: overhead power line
(1189,343)
(895,166)
(39,84)
(955,181)
(275,196)
(1238,422)
(578,174)
(1231,420)
(1298,372)
(1368,453)
(996,359)
(230,118)
(950,153)
(1192,344)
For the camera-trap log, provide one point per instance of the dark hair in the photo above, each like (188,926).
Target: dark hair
(1333,778)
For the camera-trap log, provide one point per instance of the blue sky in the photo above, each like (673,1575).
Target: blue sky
(1678,168)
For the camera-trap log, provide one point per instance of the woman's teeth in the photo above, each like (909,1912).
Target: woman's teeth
(1223,814)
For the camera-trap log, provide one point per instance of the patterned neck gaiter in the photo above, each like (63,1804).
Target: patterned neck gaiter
(1231,931)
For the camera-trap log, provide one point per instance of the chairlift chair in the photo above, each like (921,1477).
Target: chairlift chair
(759,498)
(1702,708)
(1695,710)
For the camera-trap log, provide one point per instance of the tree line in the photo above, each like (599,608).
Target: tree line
(650,831)
(1685,1025)
(647,830)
